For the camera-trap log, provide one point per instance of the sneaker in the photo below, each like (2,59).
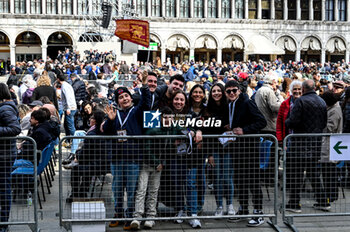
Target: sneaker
(127,226)
(211,186)
(180,214)
(230,210)
(114,223)
(71,165)
(135,225)
(256,221)
(69,159)
(295,208)
(238,219)
(195,223)
(323,206)
(219,212)
(149,224)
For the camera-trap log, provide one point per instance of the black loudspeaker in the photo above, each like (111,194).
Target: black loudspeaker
(106,14)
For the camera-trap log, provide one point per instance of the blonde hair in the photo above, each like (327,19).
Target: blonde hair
(44,80)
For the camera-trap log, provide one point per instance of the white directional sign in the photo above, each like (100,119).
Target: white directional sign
(339,147)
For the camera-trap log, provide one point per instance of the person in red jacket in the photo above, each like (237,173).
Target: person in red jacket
(281,130)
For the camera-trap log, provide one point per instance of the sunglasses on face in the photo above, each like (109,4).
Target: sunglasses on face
(229,91)
(297,89)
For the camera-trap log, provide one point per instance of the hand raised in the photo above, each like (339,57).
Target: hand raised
(111,112)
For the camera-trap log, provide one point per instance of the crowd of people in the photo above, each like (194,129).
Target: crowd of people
(273,98)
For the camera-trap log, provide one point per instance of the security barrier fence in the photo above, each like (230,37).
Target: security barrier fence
(133,180)
(315,176)
(18,178)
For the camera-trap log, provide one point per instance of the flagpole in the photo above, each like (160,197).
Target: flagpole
(149,51)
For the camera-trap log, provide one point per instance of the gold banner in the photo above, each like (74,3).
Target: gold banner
(135,31)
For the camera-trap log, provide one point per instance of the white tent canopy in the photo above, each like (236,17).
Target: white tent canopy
(260,45)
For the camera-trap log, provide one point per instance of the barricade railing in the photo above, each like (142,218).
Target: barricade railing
(92,187)
(315,176)
(19,192)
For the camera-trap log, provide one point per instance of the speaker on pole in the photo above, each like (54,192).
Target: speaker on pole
(106,14)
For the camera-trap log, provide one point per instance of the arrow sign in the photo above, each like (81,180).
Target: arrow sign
(337,147)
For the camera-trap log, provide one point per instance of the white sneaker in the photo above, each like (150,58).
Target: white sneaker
(219,212)
(149,224)
(195,223)
(180,214)
(135,224)
(230,210)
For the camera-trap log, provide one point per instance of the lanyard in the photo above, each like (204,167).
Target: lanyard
(231,111)
(152,101)
(126,118)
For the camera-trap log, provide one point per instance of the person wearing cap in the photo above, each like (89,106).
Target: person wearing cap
(125,120)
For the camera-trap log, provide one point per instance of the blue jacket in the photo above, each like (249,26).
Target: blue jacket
(130,149)
(9,126)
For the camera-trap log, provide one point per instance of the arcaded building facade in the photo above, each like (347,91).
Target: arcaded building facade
(200,30)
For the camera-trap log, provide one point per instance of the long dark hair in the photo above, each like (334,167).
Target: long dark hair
(212,107)
(190,100)
(4,92)
(99,117)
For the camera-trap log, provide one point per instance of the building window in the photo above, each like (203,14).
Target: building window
(96,6)
(317,9)
(170,8)
(67,7)
(185,9)
(35,6)
(156,8)
(142,7)
(20,6)
(83,7)
(329,10)
(265,9)
(253,9)
(292,10)
(239,9)
(226,9)
(342,10)
(198,8)
(212,8)
(4,6)
(304,10)
(278,9)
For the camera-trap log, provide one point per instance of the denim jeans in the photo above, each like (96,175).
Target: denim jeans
(75,142)
(5,190)
(201,186)
(125,174)
(192,194)
(69,122)
(223,179)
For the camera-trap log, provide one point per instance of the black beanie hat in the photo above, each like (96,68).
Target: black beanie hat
(119,91)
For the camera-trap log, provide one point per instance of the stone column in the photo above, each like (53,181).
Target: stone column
(297,55)
(285,9)
(163,13)
(323,10)
(177,15)
(233,9)
(259,9)
(246,9)
(347,56)
(205,13)
(12,6)
(272,7)
(336,11)
(13,54)
(163,54)
(323,55)
(27,6)
(59,7)
(75,7)
(311,10)
(191,8)
(149,8)
(44,52)
(219,55)
(191,54)
(299,10)
(43,7)
(348,10)
(219,9)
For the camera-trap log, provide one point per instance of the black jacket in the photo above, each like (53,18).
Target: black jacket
(47,91)
(92,75)
(79,90)
(308,114)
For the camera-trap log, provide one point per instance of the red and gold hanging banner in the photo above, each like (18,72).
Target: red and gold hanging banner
(135,31)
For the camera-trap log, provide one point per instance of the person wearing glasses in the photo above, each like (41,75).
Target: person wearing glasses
(245,118)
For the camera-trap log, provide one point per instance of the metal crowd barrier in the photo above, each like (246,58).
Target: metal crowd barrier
(313,181)
(190,185)
(18,188)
